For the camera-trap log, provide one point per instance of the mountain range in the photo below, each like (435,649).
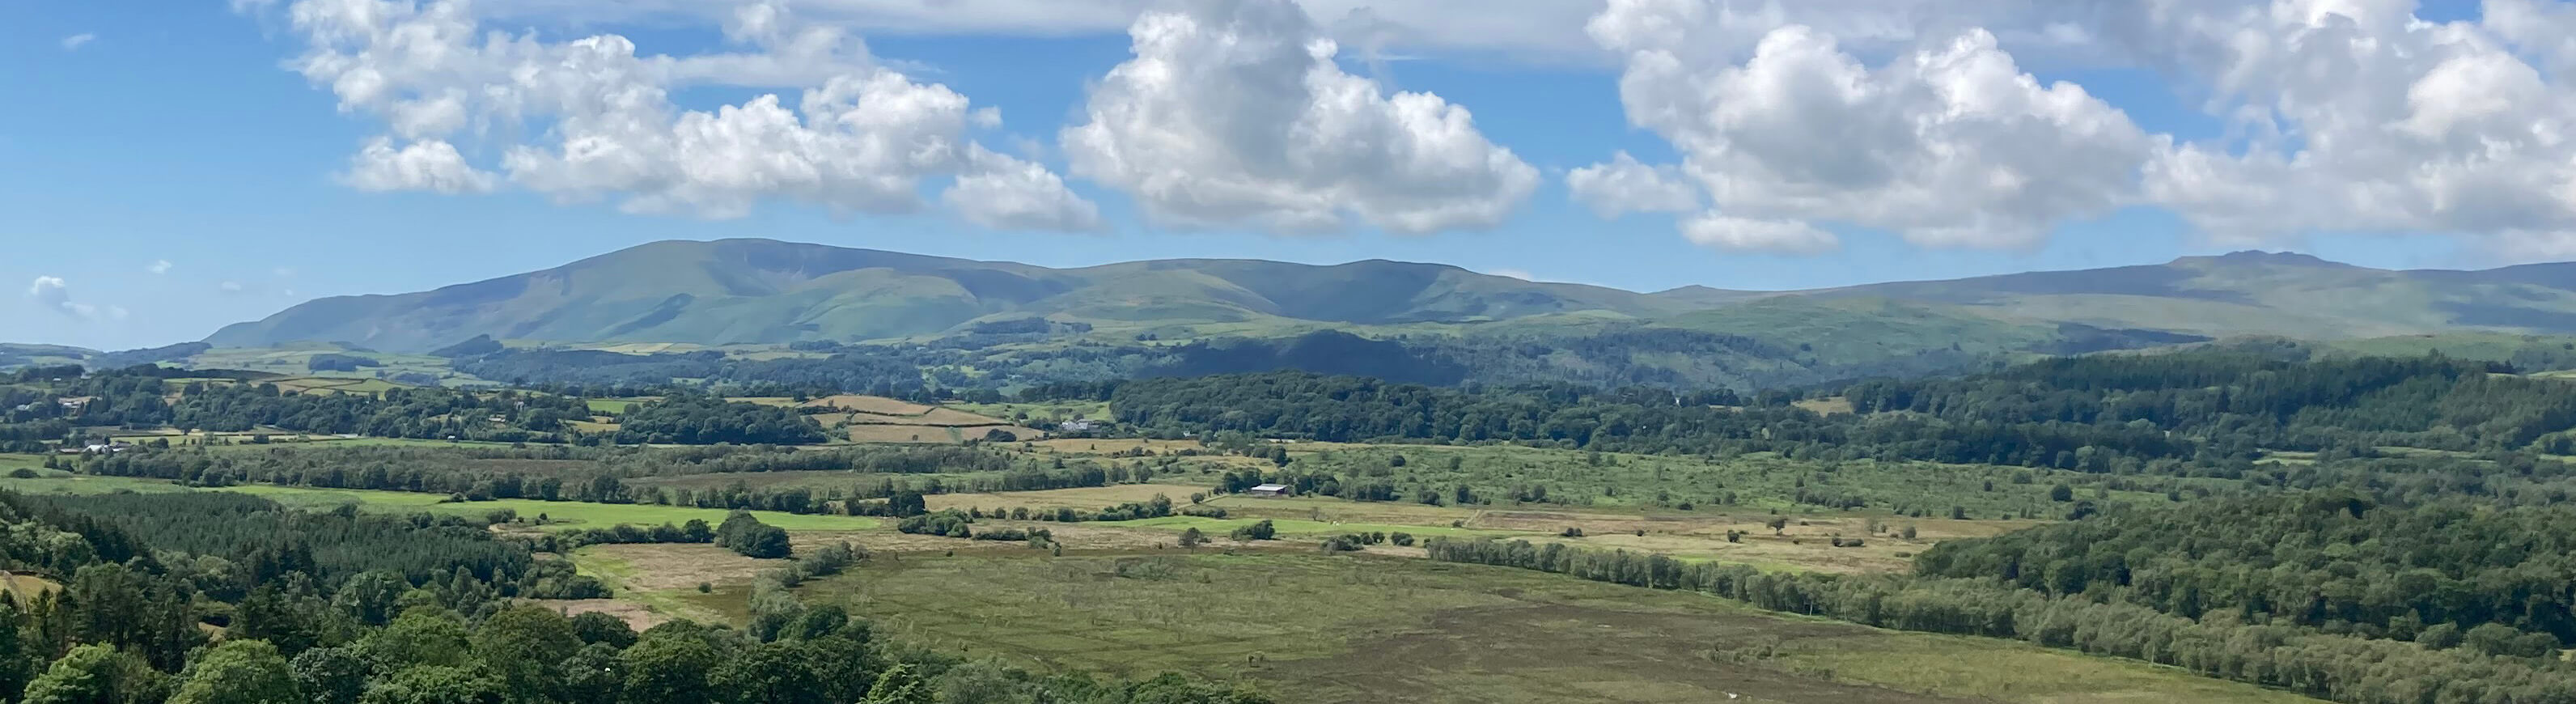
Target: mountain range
(762,291)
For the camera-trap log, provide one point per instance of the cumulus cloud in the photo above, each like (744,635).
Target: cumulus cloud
(1233,112)
(76,41)
(1773,236)
(1006,193)
(1950,144)
(159,266)
(431,165)
(51,293)
(592,118)
(1627,186)
(2363,117)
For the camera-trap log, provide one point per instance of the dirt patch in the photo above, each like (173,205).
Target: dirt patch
(659,567)
(1563,653)
(635,615)
(879,405)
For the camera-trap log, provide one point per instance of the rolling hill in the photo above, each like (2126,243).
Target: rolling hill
(761,291)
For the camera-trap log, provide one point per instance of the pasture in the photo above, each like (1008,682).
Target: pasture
(559,514)
(1311,629)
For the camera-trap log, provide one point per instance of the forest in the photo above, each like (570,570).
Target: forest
(203,598)
(199,400)
(2202,412)
(610,475)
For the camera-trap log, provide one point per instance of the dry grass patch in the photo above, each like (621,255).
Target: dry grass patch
(1093,497)
(665,566)
(878,405)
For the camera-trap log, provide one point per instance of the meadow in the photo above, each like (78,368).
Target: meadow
(559,514)
(1328,629)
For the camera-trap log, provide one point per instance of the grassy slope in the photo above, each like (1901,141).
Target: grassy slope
(1312,629)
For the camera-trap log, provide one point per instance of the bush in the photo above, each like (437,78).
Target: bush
(950,523)
(745,534)
(1256,531)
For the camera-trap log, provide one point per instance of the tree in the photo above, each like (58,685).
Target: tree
(523,646)
(596,627)
(238,672)
(594,675)
(434,684)
(773,673)
(329,675)
(98,674)
(15,659)
(1192,538)
(1257,531)
(900,684)
(421,636)
(667,665)
(2061,493)
(743,533)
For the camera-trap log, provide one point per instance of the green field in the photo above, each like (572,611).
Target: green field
(569,514)
(1313,629)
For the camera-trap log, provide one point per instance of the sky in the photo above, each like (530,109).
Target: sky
(167,168)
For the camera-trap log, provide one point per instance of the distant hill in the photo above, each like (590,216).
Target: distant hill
(762,291)
(746,291)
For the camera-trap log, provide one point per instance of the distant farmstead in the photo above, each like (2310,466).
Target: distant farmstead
(1268,490)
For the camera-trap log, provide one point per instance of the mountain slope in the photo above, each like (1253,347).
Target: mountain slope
(761,291)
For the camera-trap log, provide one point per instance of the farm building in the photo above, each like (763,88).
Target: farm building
(1268,490)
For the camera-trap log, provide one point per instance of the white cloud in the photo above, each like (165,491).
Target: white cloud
(591,118)
(1950,144)
(1010,194)
(76,41)
(51,293)
(1233,112)
(431,165)
(1626,186)
(159,266)
(1773,236)
(2361,117)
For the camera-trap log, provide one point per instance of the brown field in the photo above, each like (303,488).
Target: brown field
(635,614)
(1826,406)
(878,405)
(1087,498)
(1805,544)
(936,417)
(676,566)
(932,433)
(26,587)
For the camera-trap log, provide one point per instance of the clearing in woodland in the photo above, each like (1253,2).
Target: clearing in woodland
(1312,629)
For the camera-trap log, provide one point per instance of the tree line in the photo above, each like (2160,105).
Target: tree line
(338,608)
(2340,668)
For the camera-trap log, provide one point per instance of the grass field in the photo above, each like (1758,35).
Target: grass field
(566,514)
(1312,629)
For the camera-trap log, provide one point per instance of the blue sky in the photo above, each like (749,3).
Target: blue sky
(168,172)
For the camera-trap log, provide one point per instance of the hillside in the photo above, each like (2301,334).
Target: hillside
(767,292)
(760,291)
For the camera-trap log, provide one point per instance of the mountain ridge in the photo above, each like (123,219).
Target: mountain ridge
(743,290)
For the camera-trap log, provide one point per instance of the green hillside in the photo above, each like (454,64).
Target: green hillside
(743,291)
(760,291)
